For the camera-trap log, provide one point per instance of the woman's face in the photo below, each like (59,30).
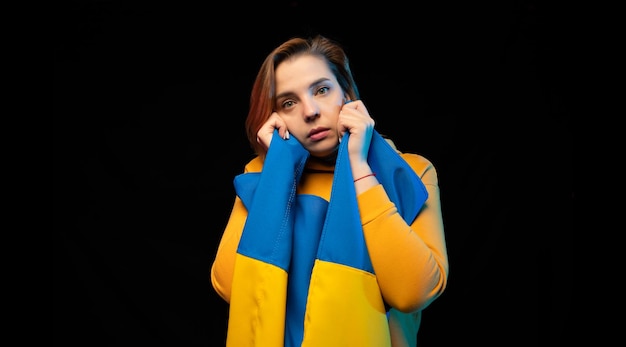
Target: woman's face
(308,99)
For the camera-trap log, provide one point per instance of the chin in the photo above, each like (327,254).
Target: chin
(323,148)
(322,154)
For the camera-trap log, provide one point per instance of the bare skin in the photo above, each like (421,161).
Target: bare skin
(312,107)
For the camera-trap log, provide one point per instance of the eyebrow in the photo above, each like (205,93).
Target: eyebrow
(288,93)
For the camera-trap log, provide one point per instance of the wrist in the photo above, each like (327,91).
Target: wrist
(372,174)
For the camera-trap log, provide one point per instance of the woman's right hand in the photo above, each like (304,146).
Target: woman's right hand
(264,135)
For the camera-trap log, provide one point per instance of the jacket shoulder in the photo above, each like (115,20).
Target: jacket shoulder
(422,166)
(254,165)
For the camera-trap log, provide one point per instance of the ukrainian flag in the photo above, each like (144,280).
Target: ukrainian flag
(303,276)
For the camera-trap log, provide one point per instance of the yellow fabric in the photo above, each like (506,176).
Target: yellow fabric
(363,312)
(252,300)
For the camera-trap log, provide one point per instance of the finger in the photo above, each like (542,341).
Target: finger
(280,125)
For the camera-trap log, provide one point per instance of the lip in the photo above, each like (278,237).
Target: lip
(318,134)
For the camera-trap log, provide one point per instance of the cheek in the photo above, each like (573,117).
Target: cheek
(292,123)
(331,112)
(295,126)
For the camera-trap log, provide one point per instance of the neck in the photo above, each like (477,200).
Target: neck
(328,160)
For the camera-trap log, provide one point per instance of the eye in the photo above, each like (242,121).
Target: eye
(322,90)
(287,104)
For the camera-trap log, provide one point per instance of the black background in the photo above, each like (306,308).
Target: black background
(149,103)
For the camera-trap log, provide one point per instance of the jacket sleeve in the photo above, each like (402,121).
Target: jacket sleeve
(410,260)
(224,263)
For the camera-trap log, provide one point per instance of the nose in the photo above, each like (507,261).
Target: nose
(311,111)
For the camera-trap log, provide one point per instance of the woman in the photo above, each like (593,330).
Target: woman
(335,237)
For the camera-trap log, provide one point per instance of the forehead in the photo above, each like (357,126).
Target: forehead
(300,72)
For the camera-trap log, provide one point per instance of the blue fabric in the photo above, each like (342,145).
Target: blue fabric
(309,221)
(343,241)
(269,196)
